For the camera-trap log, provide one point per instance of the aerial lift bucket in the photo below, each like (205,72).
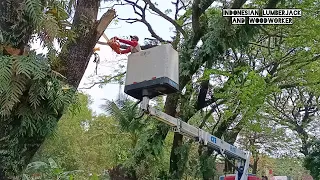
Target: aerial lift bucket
(155,70)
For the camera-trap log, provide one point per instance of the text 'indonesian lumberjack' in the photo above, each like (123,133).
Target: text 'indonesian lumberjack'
(262,16)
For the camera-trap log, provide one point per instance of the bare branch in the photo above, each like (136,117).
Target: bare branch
(173,22)
(104,81)
(177,9)
(143,20)
(184,6)
(130,20)
(134,4)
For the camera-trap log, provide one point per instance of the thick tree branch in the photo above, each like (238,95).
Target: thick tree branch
(196,13)
(213,108)
(74,59)
(272,3)
(238,4)
(201,101)
(288,104)
(198,8)
(204,5)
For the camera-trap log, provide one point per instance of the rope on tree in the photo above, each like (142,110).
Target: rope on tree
(96,58)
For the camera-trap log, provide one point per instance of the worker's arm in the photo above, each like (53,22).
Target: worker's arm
(125,51)
(131,43)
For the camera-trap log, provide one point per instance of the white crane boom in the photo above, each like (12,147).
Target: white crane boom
(201,136)
(155,72)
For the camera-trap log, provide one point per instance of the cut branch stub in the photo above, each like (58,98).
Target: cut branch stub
(104,22)
(76,54)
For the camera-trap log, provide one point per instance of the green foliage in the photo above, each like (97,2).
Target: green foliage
(34,10)
(95,144)
(149,154)
(207,162)
(50,18)
(281,166)
(47,19)
(126,115)
(70,127)
(47,171)
(312,161)
(289,166)
(32,98)
(90,143)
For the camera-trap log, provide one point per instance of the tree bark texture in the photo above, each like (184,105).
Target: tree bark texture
(122,173)
(76,54)
(255,164)
(176,172)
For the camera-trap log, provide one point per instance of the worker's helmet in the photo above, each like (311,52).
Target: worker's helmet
(134,37)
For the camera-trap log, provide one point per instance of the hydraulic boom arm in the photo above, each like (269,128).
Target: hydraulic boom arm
(203,137)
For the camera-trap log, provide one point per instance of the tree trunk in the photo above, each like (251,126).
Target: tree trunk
(121,173)
(176,172)
(219,133)
(162,129)
(304,139)
(255,164)
(229,166)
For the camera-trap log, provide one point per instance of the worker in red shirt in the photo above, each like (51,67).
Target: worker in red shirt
(134,45)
